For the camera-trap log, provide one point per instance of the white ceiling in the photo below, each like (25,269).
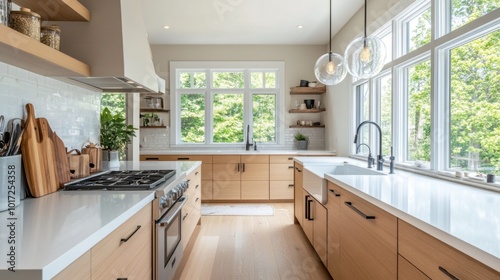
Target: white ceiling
(235,22)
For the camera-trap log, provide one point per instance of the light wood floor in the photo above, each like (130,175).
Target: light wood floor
(252,247)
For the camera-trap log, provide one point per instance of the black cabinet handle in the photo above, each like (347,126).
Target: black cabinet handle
(296,168)
(290,167)
(447,273)
(306,214)
(130,236)
(152,158)
(182,158)
(243,167)
(121,278)
(197,199)
(349,204)
(238,166)
(309,209)
(333,191)
(291,185)
(290,158)
(185,216)
(196,173)
(196,186)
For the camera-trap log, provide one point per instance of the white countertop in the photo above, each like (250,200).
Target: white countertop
(54,230)
(466,218)
(236,152)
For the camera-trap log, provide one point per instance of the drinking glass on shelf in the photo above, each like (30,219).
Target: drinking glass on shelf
(157,102)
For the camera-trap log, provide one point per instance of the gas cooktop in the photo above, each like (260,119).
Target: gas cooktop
(122,180)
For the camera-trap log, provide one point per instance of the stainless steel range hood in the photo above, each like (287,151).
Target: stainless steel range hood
(115,45)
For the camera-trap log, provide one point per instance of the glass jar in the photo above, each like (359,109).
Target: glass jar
(51,36)
(5,6)
(26,22)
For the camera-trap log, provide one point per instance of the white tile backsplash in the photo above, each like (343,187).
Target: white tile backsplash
(159,139)
(72,112)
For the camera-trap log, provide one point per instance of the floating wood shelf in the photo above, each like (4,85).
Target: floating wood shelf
(24,52)
(57,10)
(307,110)
(158,126)
(307,126)
(155,110)
(307,90)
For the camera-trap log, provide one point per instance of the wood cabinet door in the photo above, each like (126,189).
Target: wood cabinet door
(226,190)
(320,231)
(334,224)
(437,259)
(298,194)
(255,172)
(309,214)
(206,190)
(281,190)
(281,172)
(77,270)
(368,237)
(406,271)
(255,190)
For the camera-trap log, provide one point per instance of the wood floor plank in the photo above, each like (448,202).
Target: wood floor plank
(253,247)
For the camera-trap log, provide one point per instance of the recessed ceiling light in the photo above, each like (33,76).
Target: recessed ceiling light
(300,26)
(166,27)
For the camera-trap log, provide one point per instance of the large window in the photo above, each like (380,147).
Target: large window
(438,102)
(216,104)
(475,105)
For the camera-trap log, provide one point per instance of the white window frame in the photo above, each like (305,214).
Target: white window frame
(217,66)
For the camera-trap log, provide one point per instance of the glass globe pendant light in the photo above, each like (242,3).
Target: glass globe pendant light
(365,56)
(330,68)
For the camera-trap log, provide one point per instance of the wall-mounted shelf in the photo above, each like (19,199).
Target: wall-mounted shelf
(59,10)
(307,110)
(154,110)
(156,126)
(307,126)
(24,52)
(307,90)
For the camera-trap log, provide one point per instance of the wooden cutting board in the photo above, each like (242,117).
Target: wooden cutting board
(38,156)
(78,164)
(62,167)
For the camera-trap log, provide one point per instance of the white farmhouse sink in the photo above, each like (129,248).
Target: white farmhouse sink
(314,181)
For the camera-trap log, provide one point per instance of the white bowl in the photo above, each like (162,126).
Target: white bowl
(313,84)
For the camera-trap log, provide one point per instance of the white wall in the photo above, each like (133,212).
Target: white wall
(71,111)
(340,130)
(299,64)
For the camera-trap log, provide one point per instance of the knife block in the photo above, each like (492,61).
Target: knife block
(78,164)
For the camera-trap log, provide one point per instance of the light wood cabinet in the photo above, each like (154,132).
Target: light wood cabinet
(334,225)
(368,237)
(406,271)
(299,202)
(191,211)
(436,259)
(281,177)
(315,225)
(255,177)
(78,270)
(127,251)
(226,177)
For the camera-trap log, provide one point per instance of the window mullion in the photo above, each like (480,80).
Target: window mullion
(209,115)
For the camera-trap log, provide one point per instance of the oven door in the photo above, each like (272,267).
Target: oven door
(169,243)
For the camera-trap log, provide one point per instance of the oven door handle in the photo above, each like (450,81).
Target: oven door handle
(167,219)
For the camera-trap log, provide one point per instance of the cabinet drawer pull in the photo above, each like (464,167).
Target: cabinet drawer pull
(238,164)
(290,167)
(196,173)
(196,186)
(309,210)
(333,191)
(152,158)
(243,167)
(291,185)
(290,158)
(182,158)
(130,236)
(197,199)
(447,273)
(185,216)
(349,204)
(296,168)
(121,278)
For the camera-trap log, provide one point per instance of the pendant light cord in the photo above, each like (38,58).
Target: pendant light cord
(330,38)
(365,26)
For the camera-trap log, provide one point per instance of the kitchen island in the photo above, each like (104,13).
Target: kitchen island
(51,232)
(462,221)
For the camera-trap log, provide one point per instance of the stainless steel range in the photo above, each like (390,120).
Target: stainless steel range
(167,206)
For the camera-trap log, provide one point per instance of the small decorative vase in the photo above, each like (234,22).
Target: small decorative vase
(114,159)
(302,145)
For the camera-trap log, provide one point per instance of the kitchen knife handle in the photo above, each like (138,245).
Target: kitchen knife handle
(130,236)
(349,204)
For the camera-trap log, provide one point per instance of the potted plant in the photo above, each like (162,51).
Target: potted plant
(115,135)
(302,141)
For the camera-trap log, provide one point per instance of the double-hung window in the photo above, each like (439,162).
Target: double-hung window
(226,103)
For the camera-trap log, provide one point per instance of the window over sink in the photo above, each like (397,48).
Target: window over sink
(215,102)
